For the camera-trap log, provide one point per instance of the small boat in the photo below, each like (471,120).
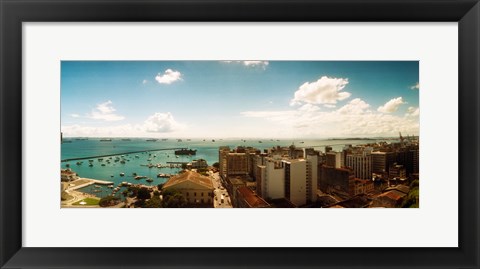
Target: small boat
(122,174)
(79,163)
(149,180)
(103,164)
(151,140)
(67,165)
(97,190)
(106,140)
(110,186)
(96,186)
(90,165)
(134,174)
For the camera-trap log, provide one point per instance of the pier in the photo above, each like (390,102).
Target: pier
(115,154)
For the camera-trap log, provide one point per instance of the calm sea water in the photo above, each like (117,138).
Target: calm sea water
(159,152)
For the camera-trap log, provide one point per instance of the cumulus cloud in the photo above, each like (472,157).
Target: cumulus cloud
(104,131)
(353,119)
(309,108)
(261,64)
(74,115)
(415,87)
(105,111)
(326,90)
(391,106)
(168,77)
(413,112)
(356,106)
(161,123)
(156,123)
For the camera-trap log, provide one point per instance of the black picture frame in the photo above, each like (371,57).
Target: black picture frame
(14,12)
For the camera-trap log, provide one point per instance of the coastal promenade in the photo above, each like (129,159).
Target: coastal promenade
(115,154)
(88,183)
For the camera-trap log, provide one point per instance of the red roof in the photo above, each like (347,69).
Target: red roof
(189,176)
(252,199)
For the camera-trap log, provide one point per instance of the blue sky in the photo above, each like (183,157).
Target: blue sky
(239,99)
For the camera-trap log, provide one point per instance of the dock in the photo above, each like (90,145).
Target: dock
(115,154)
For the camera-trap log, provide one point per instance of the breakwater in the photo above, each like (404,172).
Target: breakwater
(116,154)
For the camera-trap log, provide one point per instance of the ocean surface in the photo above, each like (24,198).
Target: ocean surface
(160,152)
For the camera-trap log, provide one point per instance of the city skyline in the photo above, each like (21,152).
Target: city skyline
(239,99)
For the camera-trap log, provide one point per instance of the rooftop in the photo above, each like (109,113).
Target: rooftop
(189,176)
(251,198)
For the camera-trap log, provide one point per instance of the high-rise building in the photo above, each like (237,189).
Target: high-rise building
(335,179)
(334,159)
(381,161)
(312,177)
(361,164)
(274,183)
(296,181)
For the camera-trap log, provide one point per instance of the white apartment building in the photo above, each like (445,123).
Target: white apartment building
(361,164)
(296,181)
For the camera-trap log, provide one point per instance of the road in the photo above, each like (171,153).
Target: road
(219,192)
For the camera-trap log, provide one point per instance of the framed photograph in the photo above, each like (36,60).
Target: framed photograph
(190,134)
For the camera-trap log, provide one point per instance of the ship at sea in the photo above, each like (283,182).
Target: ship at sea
(186,152)
(152,140)
(106,140)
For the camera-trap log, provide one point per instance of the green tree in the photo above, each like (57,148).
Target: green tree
(109,201)
(154,202)
(216,165)
(173,198)
(143,193)
(412,199)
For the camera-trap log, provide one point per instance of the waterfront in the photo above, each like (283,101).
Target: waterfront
(136,164)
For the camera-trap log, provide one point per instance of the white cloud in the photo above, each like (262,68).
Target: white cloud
(74,115)
(168,77)
(261,64)
(161,123)
(352,119)
(329,106)
(323,91)
(413,112)
(392,105)
(144,81)
(105,111)
(415,87)
(156,123)
(104,131)
(356,106)
(309,108)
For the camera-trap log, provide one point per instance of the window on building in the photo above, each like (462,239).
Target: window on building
(194,194)
(202,193)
